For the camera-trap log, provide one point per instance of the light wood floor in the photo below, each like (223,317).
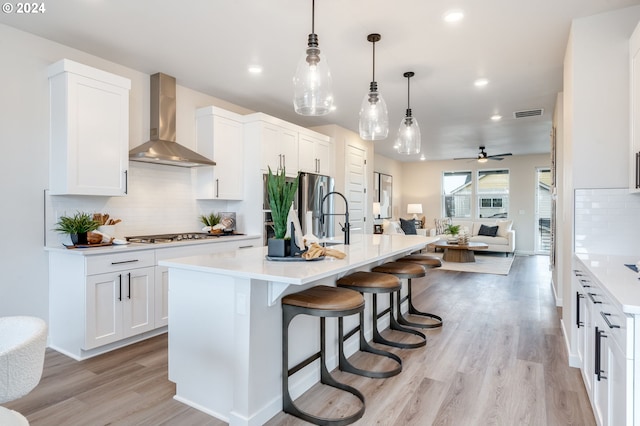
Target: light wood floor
(500,359)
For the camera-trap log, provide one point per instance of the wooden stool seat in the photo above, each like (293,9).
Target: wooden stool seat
(370,281)
(423,259)
(401,269)
(325,298)
(321,301)
(411,266)
(379,282)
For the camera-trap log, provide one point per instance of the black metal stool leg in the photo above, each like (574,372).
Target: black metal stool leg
(344,363)
(413,311)
(377,337)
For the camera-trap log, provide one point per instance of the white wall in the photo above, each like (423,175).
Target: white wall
(159,198)
(422,183)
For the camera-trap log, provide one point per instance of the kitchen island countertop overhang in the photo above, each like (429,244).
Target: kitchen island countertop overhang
(225,324)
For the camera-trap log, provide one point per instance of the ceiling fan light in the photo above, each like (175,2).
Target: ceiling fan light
(482,160)
(312,83)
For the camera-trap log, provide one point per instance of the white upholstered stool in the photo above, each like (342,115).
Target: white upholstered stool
(22,344)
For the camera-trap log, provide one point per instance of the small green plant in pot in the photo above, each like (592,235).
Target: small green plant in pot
(77,226)
(211,220)
(453,231)
(280,194)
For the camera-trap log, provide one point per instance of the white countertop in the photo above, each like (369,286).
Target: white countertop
(621,283)
(117,248)
(251,262)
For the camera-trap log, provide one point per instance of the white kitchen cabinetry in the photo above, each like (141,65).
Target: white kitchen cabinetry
(314,153)
(634,152)
(162,273)
(605,340)
(89,139)
(220,136)
(98,302)
(277,142)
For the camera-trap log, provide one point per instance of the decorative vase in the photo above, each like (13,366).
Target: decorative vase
(79,238)
(278,247)
(463,239)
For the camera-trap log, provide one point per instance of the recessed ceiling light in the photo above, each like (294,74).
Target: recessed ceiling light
(481,82)
(496,117)
(422,158)
(454,15)
(255,69)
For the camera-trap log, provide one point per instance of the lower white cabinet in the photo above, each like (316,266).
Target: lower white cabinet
(98,303)
(605,346)
(119,305)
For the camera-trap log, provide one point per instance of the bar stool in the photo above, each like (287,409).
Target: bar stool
(402,270)
(320,301)
(427,261)
(374,283)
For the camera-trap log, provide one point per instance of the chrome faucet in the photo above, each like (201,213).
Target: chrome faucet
(346,226)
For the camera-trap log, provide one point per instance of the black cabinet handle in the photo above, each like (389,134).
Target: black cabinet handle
(598,349)
(637,170)
(124,261)
(606,316)
(592,299)
(578,297)
(126,181)
(217,188)
(584,283)
(120,286)
(129,296)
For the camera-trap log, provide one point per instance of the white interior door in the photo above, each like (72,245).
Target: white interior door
(356,187)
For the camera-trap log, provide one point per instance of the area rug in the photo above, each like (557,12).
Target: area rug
(491,263)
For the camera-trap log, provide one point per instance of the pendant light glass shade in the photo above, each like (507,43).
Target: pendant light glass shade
(408,141)
(312,85)
(374,117)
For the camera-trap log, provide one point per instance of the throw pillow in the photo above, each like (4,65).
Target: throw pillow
(441,225)
(488,231)
(504,226)
(408,226)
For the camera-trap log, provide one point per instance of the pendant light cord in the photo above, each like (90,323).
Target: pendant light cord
(313,16)
(408,93)
(373,78)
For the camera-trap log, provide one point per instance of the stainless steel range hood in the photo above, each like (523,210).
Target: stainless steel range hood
(163,148)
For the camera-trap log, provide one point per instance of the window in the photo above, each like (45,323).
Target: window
(457,190)
(493,193)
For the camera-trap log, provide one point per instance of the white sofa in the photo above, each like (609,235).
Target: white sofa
(503,242)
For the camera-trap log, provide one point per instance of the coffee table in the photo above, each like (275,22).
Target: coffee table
(461,253)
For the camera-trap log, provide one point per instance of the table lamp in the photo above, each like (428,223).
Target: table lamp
(376,210)
(415,209)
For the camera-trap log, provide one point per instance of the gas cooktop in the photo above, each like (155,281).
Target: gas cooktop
(169,238)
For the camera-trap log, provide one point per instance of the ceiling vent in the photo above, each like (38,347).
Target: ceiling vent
(528,113)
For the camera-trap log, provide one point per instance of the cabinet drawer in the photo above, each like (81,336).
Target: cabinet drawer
(120,261)
(618,325)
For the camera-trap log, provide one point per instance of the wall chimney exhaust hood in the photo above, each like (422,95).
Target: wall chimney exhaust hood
(163,148)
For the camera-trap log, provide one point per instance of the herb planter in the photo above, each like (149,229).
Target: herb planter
(278,247)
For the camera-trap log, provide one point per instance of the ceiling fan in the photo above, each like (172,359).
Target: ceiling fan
(483,157)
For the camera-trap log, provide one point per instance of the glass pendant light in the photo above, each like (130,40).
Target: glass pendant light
(408,141)
(374,118)
(313,94)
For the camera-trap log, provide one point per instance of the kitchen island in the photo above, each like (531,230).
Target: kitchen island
(225,324)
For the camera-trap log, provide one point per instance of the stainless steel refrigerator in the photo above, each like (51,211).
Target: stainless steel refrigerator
(311,190)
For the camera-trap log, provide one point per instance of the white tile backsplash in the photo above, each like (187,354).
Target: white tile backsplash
(160,199)
(607,221)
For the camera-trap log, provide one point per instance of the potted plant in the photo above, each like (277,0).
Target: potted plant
(77,226)
(280,194)
(211,220)
(452,230)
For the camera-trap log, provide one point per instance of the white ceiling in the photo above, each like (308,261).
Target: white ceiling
(208,45)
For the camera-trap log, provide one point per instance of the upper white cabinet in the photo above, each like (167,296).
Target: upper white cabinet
(275,141)
(314,153)
(220,136)
(89,130)
(634,152)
